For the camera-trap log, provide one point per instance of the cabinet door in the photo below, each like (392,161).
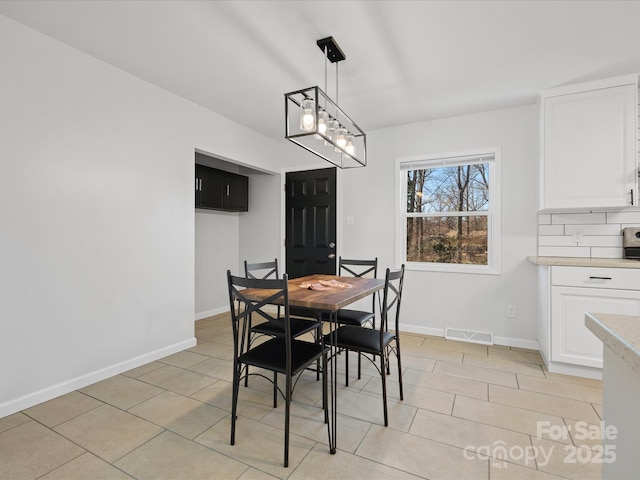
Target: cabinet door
(571,341)
(589,157)
(236,195)
(211,188)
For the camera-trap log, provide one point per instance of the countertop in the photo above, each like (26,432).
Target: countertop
(585,262)
(621,333)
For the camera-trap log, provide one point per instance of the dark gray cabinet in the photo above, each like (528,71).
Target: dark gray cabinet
(220,190)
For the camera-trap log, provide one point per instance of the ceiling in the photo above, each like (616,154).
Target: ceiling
(407,61)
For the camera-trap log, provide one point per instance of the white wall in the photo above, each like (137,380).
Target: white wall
(216,250)
(433,301)
(260,234)
(96,216)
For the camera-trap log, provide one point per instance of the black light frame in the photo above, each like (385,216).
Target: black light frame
(314,141)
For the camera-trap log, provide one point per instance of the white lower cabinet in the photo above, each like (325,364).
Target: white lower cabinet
(577,290)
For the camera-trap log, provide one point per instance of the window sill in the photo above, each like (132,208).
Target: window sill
(452,268)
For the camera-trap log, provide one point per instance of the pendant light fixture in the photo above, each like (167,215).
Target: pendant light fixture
(316,123)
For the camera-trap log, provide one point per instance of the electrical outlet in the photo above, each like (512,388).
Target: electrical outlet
(511,311)
(577,236)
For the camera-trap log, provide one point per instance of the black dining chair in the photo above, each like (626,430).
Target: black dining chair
(358,268)
(379,342)
(282,354)
(299,326)
(275,328)
(358,318)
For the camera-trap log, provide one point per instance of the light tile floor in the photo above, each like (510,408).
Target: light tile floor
(470,411)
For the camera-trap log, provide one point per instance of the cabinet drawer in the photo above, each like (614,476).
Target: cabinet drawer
(596,277)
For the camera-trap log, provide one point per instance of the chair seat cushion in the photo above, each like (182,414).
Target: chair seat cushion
(351,317)
(275,328)
(360,339)
(271,355)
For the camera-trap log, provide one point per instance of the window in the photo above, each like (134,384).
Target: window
(450,212)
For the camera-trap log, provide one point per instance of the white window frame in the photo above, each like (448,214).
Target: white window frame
(493,266)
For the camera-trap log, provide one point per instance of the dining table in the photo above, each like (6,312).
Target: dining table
(325,294)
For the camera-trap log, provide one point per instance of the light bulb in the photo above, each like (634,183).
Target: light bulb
(323,118)
(308,115)
(332,126)
(350,148)
(341,137)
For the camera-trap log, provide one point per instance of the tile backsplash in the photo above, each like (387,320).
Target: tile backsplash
(584,235)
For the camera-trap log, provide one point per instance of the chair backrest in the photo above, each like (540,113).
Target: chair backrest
(242,308)
(261,270)
(391,297)
(358,268)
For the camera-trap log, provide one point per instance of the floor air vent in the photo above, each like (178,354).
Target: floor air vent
(483,338)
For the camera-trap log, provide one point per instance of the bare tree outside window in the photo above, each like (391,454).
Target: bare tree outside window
(448,214)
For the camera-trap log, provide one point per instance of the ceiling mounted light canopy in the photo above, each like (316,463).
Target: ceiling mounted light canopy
(316,123)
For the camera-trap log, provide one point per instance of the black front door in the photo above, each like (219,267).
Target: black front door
(310,222)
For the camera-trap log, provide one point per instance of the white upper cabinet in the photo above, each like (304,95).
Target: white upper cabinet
(589,145)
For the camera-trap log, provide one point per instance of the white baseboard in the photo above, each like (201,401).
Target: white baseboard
(506,341)
(573,370)
(48,393)
(434,332)
(211,313)
(218,311)
(517,342)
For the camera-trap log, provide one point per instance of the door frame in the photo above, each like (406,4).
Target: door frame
(283,220)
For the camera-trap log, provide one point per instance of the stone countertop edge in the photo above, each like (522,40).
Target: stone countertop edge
(585,262)
(621,333)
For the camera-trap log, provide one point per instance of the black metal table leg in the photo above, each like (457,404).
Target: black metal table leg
(333,384)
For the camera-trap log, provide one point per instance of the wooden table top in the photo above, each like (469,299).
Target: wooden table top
(330,299)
